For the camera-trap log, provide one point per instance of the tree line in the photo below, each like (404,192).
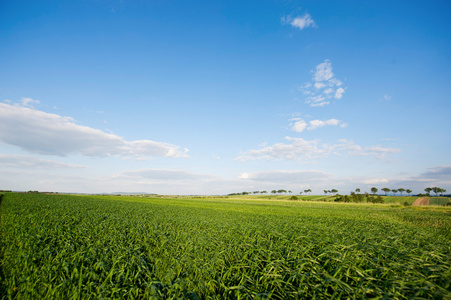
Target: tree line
(374,190)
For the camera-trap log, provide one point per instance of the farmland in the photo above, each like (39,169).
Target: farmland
(72,247)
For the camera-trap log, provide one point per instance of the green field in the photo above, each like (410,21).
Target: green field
(439,201)
(94,247)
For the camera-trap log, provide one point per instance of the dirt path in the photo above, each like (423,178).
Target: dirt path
(421,201)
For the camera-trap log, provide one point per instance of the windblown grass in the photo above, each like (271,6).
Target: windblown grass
(71,247)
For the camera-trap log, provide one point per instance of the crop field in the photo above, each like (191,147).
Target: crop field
(439,201)
(113,247)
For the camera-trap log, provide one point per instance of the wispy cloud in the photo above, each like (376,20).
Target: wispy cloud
(323,87)
(304,150)
(162,174)
(300,124)
(299,22)
(51,134)
(440,172)
(29,162)
(285,176)
(28,102)
(386,97)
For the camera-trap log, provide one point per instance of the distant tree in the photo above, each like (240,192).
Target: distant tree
(263,192)
(300,193)
(394,192)
(443,191)
(428,190)
(273,192)
(334,191)
(290,192)
(386,190)
(281,191)
(255,192)
(245,193)
(325,192)
(357,190)
(436,190)
(408,191)
(374,190)
(401,190)
(305,191)
(309,191)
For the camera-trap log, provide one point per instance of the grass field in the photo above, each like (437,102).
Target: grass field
(92,247)
(399,199)
(439,201)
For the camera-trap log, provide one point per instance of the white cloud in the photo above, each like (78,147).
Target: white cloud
(318,100)
(297,149)
(318,123)
(374,181)
(300,125)
(328,91)
(161,174)
(29,162)
(29,102)
(306,151)
(323,71)
(324,86)
(339,93)
(320,85)
(356,150)
(51,134)
(300,22)
(286,176)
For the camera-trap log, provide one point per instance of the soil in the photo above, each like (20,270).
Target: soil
(421,201)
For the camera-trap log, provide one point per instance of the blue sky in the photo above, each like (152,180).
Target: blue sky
(215,97)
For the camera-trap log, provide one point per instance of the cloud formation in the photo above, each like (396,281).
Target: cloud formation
(51,134)
(437,173)
(29,162)
(304,150)
(160,174)
(287,177)
(300,22)
(323,87)
(300,124)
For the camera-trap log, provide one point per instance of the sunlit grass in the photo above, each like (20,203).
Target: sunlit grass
(64,247)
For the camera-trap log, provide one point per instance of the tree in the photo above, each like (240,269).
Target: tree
(386,190)
(401,190)
(374,190)
(305,191)
(436,190)
(290,192)
(443,191)
(357,190)
(408,191)
(300,193)
(394,192)
(273,192)
(325,192)
(428,190)
(263,192)
(334,191)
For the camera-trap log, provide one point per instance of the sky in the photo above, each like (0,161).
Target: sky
(218,97)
